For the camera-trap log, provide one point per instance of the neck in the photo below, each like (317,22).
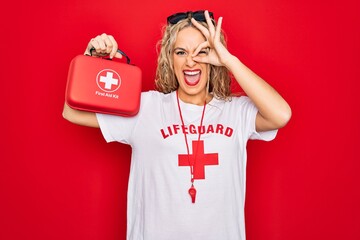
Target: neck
(196,100)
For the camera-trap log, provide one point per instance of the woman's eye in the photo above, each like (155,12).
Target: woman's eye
(180,53)
(203,52)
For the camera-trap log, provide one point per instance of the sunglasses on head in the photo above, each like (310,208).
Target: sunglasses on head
(198,16)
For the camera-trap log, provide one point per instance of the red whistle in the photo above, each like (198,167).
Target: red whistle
(192,192)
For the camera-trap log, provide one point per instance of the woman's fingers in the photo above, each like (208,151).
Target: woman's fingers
(210,23)
(104,45)
(113,52)
(212,33)
(108,44)
(218,29)
(96,46)
(99,45)
(202,46)
(202,29)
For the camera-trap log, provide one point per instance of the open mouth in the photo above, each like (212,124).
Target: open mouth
(192,77)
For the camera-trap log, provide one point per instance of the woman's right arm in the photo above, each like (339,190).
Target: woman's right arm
(104,45)
(83,118)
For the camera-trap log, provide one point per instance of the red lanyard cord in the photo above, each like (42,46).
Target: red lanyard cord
(185,136)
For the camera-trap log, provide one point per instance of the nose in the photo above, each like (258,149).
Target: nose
(189,61)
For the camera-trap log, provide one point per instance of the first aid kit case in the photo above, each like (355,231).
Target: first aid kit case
(103,86)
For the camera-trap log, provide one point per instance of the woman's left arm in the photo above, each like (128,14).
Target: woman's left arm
(274,112)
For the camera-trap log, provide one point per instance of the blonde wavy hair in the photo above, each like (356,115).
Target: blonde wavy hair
(165,80)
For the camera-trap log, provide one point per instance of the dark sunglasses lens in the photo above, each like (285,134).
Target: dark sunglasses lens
(173,19)
(200,16)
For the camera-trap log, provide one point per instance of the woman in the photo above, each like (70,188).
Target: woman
(187,177)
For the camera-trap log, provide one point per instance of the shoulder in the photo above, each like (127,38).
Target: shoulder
(155,98)
(240,99)
(152,94)
(237,107)
(237,102)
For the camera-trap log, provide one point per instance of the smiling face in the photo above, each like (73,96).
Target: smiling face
(191,76)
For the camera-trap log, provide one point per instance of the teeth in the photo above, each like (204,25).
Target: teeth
(191,73)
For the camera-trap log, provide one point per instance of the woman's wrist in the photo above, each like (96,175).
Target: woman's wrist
(231,62)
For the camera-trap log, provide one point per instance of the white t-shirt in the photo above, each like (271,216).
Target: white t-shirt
(159,206)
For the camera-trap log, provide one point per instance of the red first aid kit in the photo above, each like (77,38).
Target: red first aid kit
(103,86)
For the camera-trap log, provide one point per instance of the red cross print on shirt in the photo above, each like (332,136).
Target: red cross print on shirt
(201,159)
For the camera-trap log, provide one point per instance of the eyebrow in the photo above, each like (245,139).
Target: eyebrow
(179,48)
(183,49)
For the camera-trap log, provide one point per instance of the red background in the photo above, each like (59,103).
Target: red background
(62,181)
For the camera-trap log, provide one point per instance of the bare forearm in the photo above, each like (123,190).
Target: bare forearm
(80,117)
(274,110)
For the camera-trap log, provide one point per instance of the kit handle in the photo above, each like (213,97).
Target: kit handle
(119,51)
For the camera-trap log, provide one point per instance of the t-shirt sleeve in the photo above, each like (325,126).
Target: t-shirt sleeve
(118,128)
(248,115)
